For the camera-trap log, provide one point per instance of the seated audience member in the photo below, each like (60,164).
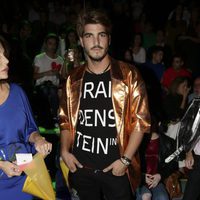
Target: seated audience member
(161,42)
(155,63)
(196,89)
(73,58)
(189,45)
(175,102)
(154,149)
(174,105)
(47,67)
(128,56)
(176,70)
(139,52)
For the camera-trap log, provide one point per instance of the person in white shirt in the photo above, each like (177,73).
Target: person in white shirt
(47,67)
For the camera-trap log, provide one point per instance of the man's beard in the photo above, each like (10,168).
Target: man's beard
(96,59)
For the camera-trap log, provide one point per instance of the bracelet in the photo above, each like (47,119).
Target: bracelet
(125,161)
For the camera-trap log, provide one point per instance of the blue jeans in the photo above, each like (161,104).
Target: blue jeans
(157,193)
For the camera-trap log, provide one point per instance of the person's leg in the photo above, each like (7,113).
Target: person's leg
(192,186)
(83,183)
(159,192)
(115,187)
(143,193)
(42,105)
(53,100)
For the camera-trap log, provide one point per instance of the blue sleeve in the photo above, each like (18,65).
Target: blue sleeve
(30,125)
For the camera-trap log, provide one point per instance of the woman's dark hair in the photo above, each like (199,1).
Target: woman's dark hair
(175,84)
(92,17)
(134,36)
(5,45)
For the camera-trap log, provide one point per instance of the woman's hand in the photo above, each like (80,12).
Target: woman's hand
(148,179)
(42,146)
(155,180)
(189,160)
(117,167)
(10,169)
(40,143)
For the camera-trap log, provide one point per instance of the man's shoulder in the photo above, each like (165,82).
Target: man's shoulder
(124,66)
(77,73)
(129,68)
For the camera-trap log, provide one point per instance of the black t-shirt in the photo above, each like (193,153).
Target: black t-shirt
(96,144)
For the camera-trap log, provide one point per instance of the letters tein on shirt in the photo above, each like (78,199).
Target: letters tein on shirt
(93,144)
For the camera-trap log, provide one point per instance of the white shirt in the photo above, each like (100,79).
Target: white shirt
(140,57)
(44,63)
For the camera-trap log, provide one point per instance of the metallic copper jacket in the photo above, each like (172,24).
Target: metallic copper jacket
(130,106)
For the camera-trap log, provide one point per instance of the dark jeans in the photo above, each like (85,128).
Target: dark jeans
(192,190)
(91,185)
(49,92)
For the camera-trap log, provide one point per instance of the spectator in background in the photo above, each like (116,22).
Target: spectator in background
(47,68)
(196,89)
(152,72)
(175,26)
(175,102)
(138,24)
(161,42)
(128,56)
(155,63)
(149,36)
(139,53)
(42,27)
(68,40)
(34,10)
(26,40)
(154,149)
(176,70)
(189,46)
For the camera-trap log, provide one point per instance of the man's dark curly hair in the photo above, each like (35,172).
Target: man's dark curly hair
(92,17)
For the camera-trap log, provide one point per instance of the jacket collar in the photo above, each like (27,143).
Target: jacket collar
(116,71)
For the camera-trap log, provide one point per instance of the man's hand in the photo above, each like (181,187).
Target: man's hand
(189,160)
(117,167)
(71,161)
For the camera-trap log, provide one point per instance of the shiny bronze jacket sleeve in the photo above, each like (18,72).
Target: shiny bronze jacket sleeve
(139,116)
(63,110)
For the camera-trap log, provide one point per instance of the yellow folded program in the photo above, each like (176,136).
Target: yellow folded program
(65,171)
(38,181)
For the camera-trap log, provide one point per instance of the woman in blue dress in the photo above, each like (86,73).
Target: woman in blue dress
(18,132)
